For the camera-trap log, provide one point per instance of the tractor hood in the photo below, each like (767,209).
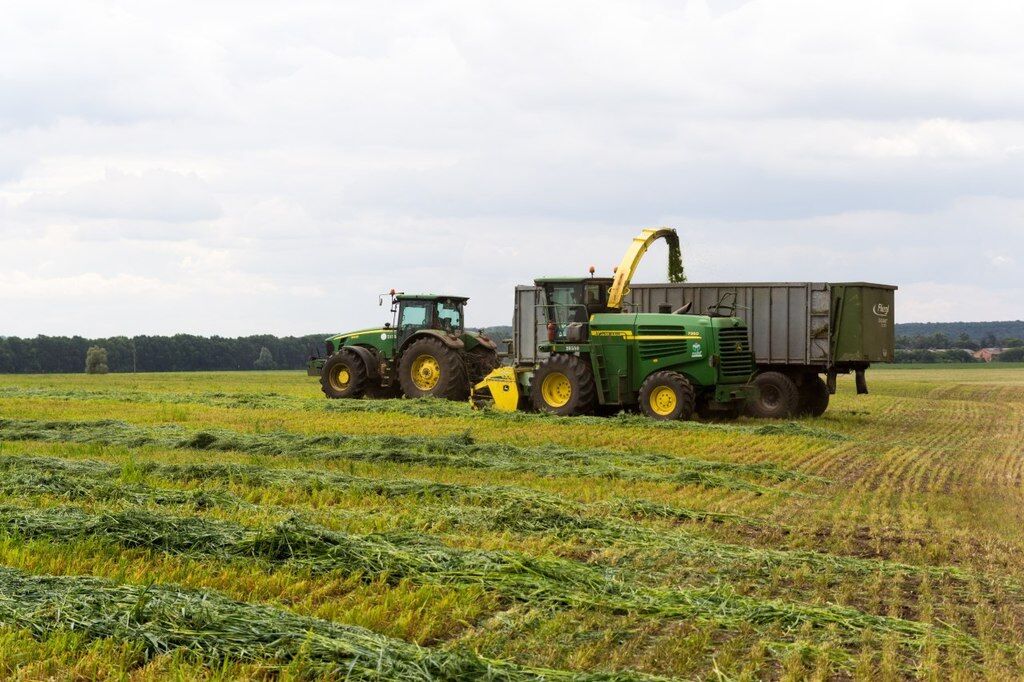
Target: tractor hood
(371,332)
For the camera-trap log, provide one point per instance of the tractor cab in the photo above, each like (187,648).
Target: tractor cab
(570,302)
(414,312)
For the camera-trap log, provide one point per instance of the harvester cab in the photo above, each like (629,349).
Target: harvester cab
(425,351)
(671,365)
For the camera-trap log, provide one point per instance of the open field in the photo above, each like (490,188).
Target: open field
(232,526)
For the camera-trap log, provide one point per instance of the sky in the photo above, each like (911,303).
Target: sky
(267,167)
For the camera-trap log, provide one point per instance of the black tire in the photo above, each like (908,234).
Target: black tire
(777,397)
(343,376)
(667,395)
(375,391)
(717,413)
(814,396)
(479,362)
(564,385)
(440,371)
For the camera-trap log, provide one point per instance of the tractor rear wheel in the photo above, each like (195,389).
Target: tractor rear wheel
(564,385)
(777,397)
(430,369)
(667,395)
(343,376)
(813,396)
(480,360)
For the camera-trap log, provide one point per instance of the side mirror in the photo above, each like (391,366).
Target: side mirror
(387,325)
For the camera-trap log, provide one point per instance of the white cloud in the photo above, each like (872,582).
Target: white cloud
(237,167)
(154,195)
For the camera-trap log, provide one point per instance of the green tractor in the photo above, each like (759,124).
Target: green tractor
(424,351)
(672,365)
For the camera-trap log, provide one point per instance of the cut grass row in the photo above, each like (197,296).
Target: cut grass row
(395,557)
(419,407)
(460,451)
(464,508)
(157,619)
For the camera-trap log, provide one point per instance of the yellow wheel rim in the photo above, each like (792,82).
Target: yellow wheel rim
(663,401)
(426,372)
(340,378)
(556,389)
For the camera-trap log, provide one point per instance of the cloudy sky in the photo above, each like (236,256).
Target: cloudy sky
(240,167)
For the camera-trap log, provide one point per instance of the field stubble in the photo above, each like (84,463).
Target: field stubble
(236,526)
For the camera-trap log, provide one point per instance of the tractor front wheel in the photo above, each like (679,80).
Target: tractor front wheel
(430,369)
(343,376)
(667,395)
(564,385)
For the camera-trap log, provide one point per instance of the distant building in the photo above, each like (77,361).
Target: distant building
(987,354)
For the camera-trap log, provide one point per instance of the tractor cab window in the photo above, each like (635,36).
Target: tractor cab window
(449,316)
(566,303)
(414,315)
(595,297)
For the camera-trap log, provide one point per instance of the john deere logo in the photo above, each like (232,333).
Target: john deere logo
(739,347)
(881,310)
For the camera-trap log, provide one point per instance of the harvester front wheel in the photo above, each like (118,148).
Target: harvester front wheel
(777,397)
(431,369)
(813,396)
(667,395)
(343,376)
(564,385)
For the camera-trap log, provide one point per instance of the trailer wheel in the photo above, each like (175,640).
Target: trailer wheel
(343,376)
(813,396)
(667,395)
(430,369)
(564,385)
(777,397)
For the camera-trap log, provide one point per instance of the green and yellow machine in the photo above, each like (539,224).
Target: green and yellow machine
(670,365)
(424,351)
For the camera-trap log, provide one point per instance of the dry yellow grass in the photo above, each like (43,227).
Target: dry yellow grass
(908,518)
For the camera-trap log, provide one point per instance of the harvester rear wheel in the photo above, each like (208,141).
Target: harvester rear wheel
(431,369)
(813,396)
(343,376)
(777,397)
(564,385)
(667,395)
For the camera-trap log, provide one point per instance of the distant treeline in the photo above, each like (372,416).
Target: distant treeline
(178,353)
(181,352)
(975,331)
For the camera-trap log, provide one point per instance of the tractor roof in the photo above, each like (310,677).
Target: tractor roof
(572,280)
(430,297)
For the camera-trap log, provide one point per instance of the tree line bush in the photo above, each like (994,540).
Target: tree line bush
(178,353)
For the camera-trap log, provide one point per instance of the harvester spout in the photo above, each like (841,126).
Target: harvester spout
(635,253)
